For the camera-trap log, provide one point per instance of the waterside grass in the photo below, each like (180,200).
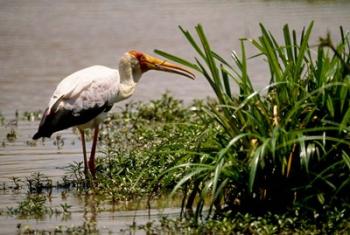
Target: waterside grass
(281,147)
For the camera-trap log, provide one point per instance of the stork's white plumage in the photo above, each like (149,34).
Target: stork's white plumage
(83,98)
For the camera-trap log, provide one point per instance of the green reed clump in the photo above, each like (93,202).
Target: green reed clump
(284,145)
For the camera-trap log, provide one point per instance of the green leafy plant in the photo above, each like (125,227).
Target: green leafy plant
(284,145)
(142,141)
(33,205)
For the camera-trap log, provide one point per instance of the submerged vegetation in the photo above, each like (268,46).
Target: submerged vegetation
(274,160)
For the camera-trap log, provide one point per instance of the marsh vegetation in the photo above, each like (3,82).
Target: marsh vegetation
(275,160)
(282,148)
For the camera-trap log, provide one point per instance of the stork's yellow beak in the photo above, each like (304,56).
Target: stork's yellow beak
(148,62)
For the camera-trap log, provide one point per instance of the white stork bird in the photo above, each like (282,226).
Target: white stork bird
(83,98)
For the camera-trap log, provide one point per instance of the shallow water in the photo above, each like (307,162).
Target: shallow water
(21,159)
(43,41)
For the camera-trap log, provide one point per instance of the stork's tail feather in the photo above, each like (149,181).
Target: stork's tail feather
(39,135)
(64,118)
(36,136)
(43,128)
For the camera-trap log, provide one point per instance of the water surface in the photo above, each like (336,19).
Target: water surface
(43,41)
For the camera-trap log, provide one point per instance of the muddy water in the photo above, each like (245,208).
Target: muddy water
(43,41)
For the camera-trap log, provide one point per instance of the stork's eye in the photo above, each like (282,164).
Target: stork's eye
(142,58)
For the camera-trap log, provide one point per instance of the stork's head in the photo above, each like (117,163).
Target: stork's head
(147,62)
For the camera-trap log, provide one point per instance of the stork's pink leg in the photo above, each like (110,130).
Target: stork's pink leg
(92,165)
(84,152)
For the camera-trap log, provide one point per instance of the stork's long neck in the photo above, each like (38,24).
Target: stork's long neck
(129,76)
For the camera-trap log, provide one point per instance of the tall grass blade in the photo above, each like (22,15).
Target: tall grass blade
(177,59)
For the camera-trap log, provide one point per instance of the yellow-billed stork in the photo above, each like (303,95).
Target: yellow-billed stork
(83,98)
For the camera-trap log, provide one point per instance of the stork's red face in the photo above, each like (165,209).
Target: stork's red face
(148,62)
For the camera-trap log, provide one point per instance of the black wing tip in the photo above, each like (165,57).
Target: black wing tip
(36,136)
(39,135)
